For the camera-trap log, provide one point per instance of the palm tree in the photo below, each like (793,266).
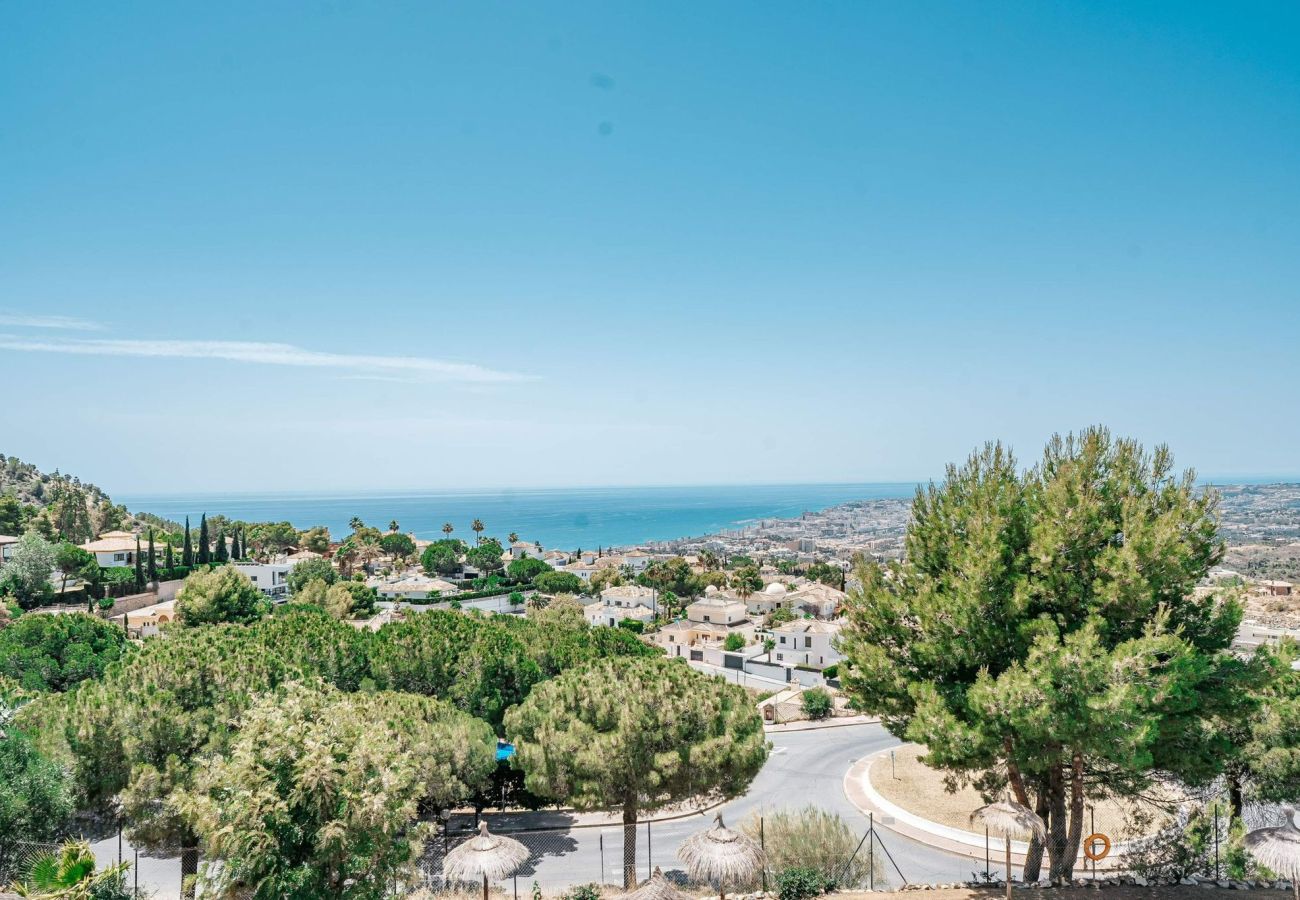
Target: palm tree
(513,537)
(447,528)
(68,874)
(356,524)
(477,527)
(393,526)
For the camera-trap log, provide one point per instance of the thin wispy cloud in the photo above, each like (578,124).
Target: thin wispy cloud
(69,323)
(268,354)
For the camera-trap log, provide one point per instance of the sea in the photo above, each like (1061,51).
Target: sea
(568,518)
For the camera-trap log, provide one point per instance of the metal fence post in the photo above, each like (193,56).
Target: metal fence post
(762,843)
(986,853)
(1092,819)
(871,850)
(649,852)
(602,858)
(135,869)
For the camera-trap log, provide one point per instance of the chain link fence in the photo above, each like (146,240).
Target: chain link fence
(562,860)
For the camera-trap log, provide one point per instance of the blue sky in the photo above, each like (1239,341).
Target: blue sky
(249,246)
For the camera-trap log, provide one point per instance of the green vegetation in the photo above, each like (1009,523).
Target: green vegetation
(298,809)
(525,570)
(26,576)
(443,557)
(1045,628)
(54,653)
(735,641)
(636,735)
(558,583)
(817,703)
(35,797)
(223,594)
(311,570)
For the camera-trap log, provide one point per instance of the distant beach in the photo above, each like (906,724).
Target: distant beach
(565,518)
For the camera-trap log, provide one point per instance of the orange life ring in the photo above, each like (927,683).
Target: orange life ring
(1089,846)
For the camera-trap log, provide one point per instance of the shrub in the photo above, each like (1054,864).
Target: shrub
(106,602)
(632,625)
(735,641)
(800,883)
(831,671)
(817,703)
(583,892)
(812,838)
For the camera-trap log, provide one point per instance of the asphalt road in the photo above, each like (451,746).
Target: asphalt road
(805,768)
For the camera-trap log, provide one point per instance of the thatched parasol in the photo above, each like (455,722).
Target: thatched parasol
(1007,818)
(656,888)
(721,855)
(486,856)
(1278,849)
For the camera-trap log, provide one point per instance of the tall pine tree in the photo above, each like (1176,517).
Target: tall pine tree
(1043,632)
(187,552)
(205,542)
(221,553)
(153,560)
(139,566)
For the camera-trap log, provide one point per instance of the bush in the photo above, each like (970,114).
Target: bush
(735,641)
(800,882)
(583,892)
(632,625)
(817,703)
(812,838)
(106,603)
(831,671)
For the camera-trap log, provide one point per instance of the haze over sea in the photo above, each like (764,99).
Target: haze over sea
(567,518)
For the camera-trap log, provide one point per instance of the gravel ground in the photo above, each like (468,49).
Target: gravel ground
(919,789)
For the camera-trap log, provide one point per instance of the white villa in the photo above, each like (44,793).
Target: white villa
(817,599)
(807,642)
(271,578)
(114,548)
(8,544)
(628,601)
(708,622)
(413,588)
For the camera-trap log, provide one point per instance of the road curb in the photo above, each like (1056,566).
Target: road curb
(781,729)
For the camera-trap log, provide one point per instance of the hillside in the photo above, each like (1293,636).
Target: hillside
(55,503)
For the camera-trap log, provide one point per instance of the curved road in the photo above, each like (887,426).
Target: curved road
(805,768)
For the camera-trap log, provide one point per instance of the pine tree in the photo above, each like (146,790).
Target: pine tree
(205,542)
(1043,629)
(221,553)
(139,566)
(574,734)
(153,560)
(187,552)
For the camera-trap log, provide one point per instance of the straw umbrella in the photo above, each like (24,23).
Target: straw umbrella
(721,855)
(1007,817)
(1278,849)
(489,856)
(656,888)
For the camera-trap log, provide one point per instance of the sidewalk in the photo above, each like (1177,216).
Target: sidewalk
(833,722)
(970,844)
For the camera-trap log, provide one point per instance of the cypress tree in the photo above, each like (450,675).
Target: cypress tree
(205,542)
(236,551)
(221,553)
(187,553)
(153,560)
(171,558)
(139,566)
